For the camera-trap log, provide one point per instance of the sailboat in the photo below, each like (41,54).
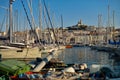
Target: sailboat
(19,50)
(16,50)
(8,36)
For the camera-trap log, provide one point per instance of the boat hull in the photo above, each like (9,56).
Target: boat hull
(68,46)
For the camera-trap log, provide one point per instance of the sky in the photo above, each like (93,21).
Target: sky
(71,10)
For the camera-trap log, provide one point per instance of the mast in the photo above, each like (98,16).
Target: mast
(10,19)
(16,15)
(99,20)
(113,25)
(40,18)
(62,28)
(55,30)
(108,23)
(108,15)
(99,25)
(35,34)
(31,12)
(7,22)
(45,19)
(51,24)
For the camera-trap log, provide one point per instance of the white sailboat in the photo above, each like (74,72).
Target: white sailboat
(9,33)
(17,50)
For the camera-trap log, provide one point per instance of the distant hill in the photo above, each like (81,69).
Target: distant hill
(78,27)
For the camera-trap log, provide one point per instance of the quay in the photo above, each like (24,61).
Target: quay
(110,48)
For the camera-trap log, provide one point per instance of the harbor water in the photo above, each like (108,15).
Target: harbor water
(80,55)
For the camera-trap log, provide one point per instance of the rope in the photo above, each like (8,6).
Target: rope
(26,54)
(2,24)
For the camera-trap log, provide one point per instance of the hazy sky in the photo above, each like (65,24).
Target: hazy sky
(71,10)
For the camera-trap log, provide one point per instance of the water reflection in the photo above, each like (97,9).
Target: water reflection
(84,55)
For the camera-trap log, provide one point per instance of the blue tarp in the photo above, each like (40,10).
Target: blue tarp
(114,42)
